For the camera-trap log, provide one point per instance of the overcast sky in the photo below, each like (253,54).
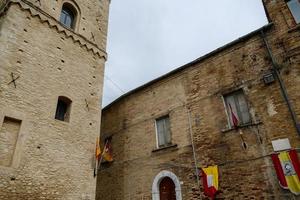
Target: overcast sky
(148,38)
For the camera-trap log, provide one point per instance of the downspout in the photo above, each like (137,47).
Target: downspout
(193,147)
(281,83)
(192,143)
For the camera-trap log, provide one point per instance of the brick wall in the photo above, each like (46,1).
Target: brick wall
(246,173)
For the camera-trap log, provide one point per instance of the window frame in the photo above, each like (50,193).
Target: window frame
(239,114)
(291,12)
(74,8)
(67,13)
(156,132)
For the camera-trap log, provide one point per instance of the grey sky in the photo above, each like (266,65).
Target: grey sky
(148,38)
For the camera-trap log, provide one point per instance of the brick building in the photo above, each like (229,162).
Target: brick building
(154,128)
(52,57)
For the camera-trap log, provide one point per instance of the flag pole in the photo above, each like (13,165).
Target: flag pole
(95,167)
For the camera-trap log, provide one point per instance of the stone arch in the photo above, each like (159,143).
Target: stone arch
(157,180)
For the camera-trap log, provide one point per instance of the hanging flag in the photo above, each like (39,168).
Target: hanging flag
(210,180)
(234,118)
(107,152)
(97,156)
(287,168)
(98,150)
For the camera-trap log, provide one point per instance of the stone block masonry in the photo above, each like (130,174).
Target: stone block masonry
(43,157)
(8,139)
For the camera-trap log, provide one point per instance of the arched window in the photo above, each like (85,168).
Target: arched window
(63,109)
(68,16)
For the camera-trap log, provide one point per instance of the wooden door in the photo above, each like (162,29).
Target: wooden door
(167,189)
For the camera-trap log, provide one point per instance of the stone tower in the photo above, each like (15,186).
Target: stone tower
(52,55)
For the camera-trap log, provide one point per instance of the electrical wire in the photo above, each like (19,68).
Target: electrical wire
(114,83)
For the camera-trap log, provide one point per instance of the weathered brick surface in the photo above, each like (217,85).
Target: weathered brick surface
(52,159)
(244,173)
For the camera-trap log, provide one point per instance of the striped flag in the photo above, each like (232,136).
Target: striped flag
(98,150)
(287,168)
(234,118)
(107,152)
(210,180)
(97,156)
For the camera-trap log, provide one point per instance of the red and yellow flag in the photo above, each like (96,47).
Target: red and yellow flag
(210,180)
(287,168)
(107,152)
(98,150)
(234,118)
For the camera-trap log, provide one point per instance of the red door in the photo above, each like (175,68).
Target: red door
(167,189)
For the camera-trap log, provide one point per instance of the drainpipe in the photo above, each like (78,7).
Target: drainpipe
(281,84)
(193,147)
(192,143)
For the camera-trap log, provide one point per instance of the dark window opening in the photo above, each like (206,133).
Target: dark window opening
(63,109)
(294,6)
(68,16)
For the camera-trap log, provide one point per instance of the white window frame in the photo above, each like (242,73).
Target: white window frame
(156,132)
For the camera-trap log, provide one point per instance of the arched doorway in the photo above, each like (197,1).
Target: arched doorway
(166,186)
(167,189)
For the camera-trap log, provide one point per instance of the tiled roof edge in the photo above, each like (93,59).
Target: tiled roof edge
(198,60)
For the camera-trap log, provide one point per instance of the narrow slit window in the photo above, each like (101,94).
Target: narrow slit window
(63,109)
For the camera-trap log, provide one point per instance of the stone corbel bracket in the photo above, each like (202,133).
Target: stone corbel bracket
(54,23)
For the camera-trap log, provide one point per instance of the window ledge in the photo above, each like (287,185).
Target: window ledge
(295,28)
(62,121)
(165,147)
(241,127)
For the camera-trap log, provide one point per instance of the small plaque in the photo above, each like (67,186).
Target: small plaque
(281,144)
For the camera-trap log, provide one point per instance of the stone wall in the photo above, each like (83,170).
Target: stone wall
(246,170)
(48,158)
(92,19)
(8,139)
